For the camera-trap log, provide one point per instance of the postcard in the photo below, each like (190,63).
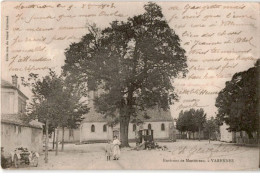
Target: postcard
(130,85)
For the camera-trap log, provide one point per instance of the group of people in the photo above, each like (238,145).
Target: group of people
(113,149)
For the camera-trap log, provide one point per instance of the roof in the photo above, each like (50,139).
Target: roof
(6,84)
(15,120)
(157,115)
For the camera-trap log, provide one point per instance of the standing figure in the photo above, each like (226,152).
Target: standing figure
(109,151)
(116,149)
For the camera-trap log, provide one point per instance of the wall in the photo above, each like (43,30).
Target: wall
(21,104)
(70,135)
(12,137)
(12,102)
(99,134)
(8,101)
(224,134)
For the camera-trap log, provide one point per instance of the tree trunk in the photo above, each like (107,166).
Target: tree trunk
(53,142)
(209,136)
(46,140)
(199,134)
(124,123)
(57,142)
(249,134)
(62,145)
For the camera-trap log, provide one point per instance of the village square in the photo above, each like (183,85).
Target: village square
(183,154)
(156,141)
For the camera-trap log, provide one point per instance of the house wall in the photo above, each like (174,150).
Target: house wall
(9,101)
(225,135)
(12,137)
(99,135)
(12,102)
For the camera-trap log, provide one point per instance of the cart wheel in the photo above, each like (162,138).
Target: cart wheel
(16,162)
(35,162)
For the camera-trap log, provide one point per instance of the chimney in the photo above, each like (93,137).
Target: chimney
(14,80)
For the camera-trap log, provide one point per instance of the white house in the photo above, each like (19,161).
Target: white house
(225,135)
(94,127)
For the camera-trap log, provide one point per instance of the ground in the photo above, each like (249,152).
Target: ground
(181,155)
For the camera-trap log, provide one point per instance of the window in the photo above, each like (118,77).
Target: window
(162,127)
(104,128)
(93,128)
(134,127)
(149,126)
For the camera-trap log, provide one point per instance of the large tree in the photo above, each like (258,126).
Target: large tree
(200,119)
(183,122)
(238,102)
(133,62)
(211,127)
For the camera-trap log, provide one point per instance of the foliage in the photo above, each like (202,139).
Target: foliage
(238,102)
(211,127)
(191,120)
(133,62)
(55,101)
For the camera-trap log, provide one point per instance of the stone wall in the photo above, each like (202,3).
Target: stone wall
(14,136)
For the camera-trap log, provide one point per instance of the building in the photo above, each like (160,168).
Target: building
(15,132)
(236,137)
(95,128)
(225,135)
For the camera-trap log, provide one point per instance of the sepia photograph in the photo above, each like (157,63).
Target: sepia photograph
(150,85)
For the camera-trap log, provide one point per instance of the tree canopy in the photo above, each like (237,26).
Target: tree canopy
(191,120)
(133,62)
(54,103)
(238,102)
(54,100)
(211,127)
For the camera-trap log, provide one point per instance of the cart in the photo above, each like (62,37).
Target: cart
(24,157)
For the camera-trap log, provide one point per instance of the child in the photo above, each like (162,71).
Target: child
(108,150)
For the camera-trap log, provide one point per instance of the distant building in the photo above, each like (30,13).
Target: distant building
(236,137)
(14,132)
(225,135)
(95,127)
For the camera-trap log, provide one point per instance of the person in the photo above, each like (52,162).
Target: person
(116,149)
(108,150)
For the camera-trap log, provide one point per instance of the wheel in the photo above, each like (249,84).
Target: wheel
(35,162)
(16,161)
